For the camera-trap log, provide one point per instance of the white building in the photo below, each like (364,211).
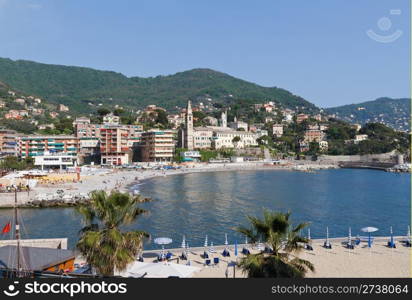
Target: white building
(224,139)
(277,130)
(111,119)
(237,125)
(360,138)
(60,160)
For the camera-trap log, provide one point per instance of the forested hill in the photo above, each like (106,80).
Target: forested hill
(395,113)
(78,86)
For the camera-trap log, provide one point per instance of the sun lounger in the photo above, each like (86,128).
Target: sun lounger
(327,245)
(350,246)
(245,251)
(391,245)
(216,260)
(268,250)
(207,262)
(225,253)
(308,247)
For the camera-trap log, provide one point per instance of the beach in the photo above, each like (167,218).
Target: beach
(377,261)
(121,179)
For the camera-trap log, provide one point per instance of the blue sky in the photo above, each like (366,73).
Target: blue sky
(316,49)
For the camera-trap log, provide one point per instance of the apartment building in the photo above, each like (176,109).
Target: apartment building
(113,146)
(9,143)
(36,145)
(157,145)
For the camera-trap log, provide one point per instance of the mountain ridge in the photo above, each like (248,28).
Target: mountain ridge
(79,85)
(394,112)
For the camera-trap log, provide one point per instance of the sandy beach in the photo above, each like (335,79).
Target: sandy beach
(377,261)
(121,179)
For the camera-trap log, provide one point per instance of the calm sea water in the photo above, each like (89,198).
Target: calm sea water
(214,203)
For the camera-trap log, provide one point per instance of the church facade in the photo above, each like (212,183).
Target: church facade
(213,137)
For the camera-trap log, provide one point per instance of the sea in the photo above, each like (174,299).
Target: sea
(214,204)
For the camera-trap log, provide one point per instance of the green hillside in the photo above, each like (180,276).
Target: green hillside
(78,86)
(395,113)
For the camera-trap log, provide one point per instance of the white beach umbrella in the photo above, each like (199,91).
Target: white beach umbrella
(163,241)
(226,242)
(369,230)
(157,270)
(184,242)
(309,234)
(327,235)
(246,240)
(409,234)
(205,244)
(211,248)
(350,237)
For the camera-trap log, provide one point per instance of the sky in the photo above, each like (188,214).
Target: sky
(330,52)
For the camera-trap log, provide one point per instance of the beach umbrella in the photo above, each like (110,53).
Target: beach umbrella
(205,244)
(163,241)
(308,234)
(157,270)
(211,248)
(246,240)
(327,235)
(392,242)
(369,230)
(235,248)
(409,233)
(350,237)
(184,242)
(226,242)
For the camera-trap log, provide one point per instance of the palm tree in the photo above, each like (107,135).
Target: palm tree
(277,232)
(104,245)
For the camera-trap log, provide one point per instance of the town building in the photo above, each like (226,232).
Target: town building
(9,144)
(55,160)
(303,146)
(323,146)
(113,146)
(277,130)
(212,137)
(63,108)
(301,117)
(53,114)
(157,145)
(190,156)
(360,138)
(36,145)
(89,150)
(111,119)
(314,135)
(188,130)
(239,125)
(225,139)
(211,121)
